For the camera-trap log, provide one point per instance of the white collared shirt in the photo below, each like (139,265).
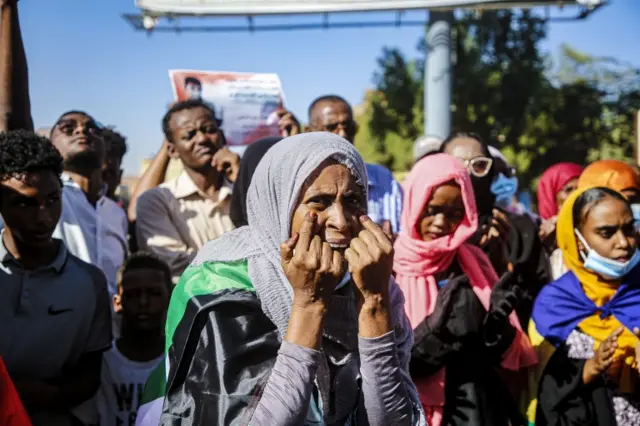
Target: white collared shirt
(97,235)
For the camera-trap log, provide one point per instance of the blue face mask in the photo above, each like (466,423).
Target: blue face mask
(504,188)
(604,266)
(635,209)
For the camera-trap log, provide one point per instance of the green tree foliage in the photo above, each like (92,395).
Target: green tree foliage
(506,89)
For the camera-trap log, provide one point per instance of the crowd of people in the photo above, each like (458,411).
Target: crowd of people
(299,285)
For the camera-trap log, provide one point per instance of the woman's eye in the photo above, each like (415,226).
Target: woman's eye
(457,215)
(319,202)
(430,211)
(355,201)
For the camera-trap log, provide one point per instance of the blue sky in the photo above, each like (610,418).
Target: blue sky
(82,55)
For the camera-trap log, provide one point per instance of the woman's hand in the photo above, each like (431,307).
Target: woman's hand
(603,357)
(547,232)
(505,297)
(495,240)
(548,227)
(313,270)
(370,258)
(312,267)
(497,230)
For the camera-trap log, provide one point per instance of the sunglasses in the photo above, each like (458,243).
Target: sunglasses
(479,166)
(68,126)
(332,127)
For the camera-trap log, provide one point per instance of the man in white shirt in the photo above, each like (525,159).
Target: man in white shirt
(87,225)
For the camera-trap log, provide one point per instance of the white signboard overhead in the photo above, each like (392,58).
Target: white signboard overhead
(269,7)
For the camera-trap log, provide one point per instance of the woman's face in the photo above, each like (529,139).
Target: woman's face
(442,214)
(565,191)
(609,230)
(334,195)
(466,149)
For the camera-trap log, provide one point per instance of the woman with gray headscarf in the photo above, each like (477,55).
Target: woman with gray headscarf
(294,319)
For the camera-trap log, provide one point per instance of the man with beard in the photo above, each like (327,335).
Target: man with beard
(86,225)
(175,219)
(510,240)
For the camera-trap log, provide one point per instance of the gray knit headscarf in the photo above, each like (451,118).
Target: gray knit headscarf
(271,200)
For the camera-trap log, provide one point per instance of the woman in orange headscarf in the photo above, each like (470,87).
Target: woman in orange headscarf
(614,174)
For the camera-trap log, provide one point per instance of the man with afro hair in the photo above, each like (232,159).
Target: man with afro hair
(55,316)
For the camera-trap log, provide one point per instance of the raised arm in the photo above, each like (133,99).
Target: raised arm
(152,177)
(162,230)
(385,339)
(313,270)
(15,107)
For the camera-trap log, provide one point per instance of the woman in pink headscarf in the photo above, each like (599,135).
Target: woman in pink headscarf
(461,313)
(556,184)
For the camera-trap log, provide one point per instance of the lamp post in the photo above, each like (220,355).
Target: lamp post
(437,76)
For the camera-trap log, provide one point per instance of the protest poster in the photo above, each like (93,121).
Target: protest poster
(245,103)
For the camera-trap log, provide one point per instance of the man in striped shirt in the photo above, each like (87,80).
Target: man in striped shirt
(333,114)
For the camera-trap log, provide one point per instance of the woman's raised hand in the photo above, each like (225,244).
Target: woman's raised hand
(603,357)
(370,258)
(548,227)
(312,267)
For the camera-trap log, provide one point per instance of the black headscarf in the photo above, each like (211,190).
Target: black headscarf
(485,200)
(248,164)
(524,247)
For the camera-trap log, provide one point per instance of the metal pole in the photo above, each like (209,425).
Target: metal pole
(636,136)
(437,79)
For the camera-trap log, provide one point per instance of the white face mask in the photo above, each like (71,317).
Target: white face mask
(604,266)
